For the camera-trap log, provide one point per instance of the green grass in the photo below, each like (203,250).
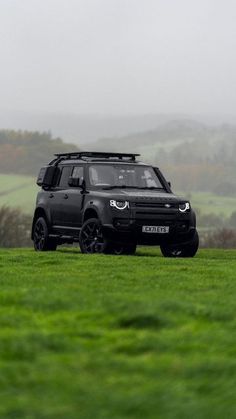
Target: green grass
(18,191)
(210,203)
(115,337)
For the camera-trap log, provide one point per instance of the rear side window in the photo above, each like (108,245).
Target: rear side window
(65,174)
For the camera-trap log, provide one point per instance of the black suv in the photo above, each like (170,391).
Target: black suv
(109,203)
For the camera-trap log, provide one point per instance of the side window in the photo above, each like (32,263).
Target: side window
(78,172)
(65,174)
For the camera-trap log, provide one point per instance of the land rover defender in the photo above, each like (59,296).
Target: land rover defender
(110,203)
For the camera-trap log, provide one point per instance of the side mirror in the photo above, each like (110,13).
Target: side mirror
(169,183)
(76,182)
(47,176)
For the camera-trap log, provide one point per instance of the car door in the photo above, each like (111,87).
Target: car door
(59,197)
(75,199)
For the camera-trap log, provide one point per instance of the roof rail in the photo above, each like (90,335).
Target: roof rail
(86,155)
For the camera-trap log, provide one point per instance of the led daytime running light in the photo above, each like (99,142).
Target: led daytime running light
(186,207)
(121,205)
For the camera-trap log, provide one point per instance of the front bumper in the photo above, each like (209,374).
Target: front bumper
(129,231)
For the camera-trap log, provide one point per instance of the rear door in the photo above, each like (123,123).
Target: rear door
(75,199)
(59,197)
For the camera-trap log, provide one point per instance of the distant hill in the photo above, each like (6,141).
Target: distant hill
(24,152)
(174,137)
(197,156)
(83,129)
(193,155)
(171,132)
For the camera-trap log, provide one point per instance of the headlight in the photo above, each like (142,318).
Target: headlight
(121,205)
(184,207)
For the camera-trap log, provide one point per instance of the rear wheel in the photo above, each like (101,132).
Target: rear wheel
(91,237)
(187,250)
(41,239)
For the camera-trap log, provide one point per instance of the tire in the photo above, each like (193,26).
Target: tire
(119,249)
(91,238)
(188,250)
(41,239)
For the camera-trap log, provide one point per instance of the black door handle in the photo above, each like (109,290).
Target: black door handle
(51,195)
(66,196)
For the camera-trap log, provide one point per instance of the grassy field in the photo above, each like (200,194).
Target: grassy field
(21,191)
(18,191)
(209,203)
(115,337)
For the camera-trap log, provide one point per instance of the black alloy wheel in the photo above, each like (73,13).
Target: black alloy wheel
(91,238)
(42,241)
(187,250)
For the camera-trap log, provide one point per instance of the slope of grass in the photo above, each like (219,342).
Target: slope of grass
(208,202)
(117,337)
(18,191)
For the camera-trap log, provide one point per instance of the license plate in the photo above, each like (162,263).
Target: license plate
(155,229)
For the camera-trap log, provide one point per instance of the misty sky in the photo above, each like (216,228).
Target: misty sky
(118,56)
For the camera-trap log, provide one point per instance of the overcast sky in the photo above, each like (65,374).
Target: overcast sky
(118,56)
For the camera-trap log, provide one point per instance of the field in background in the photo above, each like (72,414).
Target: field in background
(208,202)
(20,191)
(117,337)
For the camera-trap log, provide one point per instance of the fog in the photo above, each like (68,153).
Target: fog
(118,56)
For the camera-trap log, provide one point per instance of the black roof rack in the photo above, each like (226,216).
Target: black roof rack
(87,155)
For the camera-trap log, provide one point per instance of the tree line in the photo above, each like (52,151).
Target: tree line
(24,152)
(195,156)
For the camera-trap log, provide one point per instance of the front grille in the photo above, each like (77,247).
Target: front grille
(156,213)
(166,205)
(168,215)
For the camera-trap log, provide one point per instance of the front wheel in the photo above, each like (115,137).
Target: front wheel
(187,250)
(91,238)
(41,239)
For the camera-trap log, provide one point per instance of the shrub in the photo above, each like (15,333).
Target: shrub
(224,238)
(15,228)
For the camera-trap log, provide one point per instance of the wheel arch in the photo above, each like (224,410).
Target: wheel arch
(39,212)
(90,213)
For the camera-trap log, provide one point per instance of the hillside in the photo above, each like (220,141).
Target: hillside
(24,152)
(197,156)
(83,129)
(117,337)
(18,191)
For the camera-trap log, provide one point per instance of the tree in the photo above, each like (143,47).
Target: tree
(15,228)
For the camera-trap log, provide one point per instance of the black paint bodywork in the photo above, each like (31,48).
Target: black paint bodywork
(66,209)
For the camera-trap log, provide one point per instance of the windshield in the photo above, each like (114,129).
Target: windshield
(123,176)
